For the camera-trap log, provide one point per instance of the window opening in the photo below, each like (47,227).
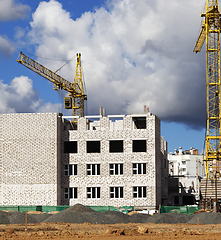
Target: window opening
(70,125)
(93,169)
(70,170)
(116,146)
(116,168)
(139,146)
(139,192)
(93,147)
(70,147)
(116,192)
(93,192)
(70,193)
(139,122)
(139,168)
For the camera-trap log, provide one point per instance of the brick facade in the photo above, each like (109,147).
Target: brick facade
(33,162)
(29,159)
(106,130)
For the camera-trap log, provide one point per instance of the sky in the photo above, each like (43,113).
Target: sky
(134,53)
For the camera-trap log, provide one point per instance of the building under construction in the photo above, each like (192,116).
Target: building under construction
(46,159)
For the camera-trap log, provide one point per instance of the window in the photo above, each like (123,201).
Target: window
(139,146)
(139,168)
(116,146)
(70,147)
(93,192)
(139,192)
(139,122)
(93,169)
(70,193)
(116,168)
(183,162)
(93,147)
(184,169)
(116,192)
(70,170)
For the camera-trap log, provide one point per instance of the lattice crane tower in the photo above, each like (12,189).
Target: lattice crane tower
(210,32)
(77,95)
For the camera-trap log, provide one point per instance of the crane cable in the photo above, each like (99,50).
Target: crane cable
(71,59)
(53,59)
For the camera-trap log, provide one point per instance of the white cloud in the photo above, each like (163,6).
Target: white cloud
(134,53)
(19,96)
(49,107)
(19,32)
(10,10)
(6,46)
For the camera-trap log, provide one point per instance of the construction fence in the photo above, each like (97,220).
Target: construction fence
(177,209)
(124,209)
(48,209)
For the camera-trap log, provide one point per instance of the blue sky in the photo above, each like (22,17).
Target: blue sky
(134,53)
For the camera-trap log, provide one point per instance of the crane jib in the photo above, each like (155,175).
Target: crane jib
(75,89)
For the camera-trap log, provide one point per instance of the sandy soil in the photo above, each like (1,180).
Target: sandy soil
(111,231)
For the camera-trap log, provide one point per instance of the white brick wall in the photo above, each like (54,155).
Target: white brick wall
(28,146)
(32,160)
(122,131)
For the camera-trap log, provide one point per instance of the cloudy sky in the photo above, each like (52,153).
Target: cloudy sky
(134,53)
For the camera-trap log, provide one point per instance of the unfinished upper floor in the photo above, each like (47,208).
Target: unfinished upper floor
(110,122)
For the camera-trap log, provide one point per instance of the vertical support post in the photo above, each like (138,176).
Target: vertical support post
(26,220)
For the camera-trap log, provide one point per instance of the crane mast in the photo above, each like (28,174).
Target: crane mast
(78,99)
(210,32)
(77,95)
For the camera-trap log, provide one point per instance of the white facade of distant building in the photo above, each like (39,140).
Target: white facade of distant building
(188,166)
(185,163)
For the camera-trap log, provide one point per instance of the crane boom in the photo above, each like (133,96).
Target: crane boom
(75,89)
(211,33)
(58,81)
(201,39)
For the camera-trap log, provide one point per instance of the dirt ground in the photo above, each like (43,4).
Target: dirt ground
(111,231)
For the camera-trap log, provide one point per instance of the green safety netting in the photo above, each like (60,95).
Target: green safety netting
(48,209)
(177,209)
(123,209)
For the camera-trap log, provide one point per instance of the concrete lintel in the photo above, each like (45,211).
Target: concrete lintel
(70,116)
(115,116)
(94,116)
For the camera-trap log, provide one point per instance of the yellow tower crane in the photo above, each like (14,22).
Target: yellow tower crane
(210,32)
(77,95)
